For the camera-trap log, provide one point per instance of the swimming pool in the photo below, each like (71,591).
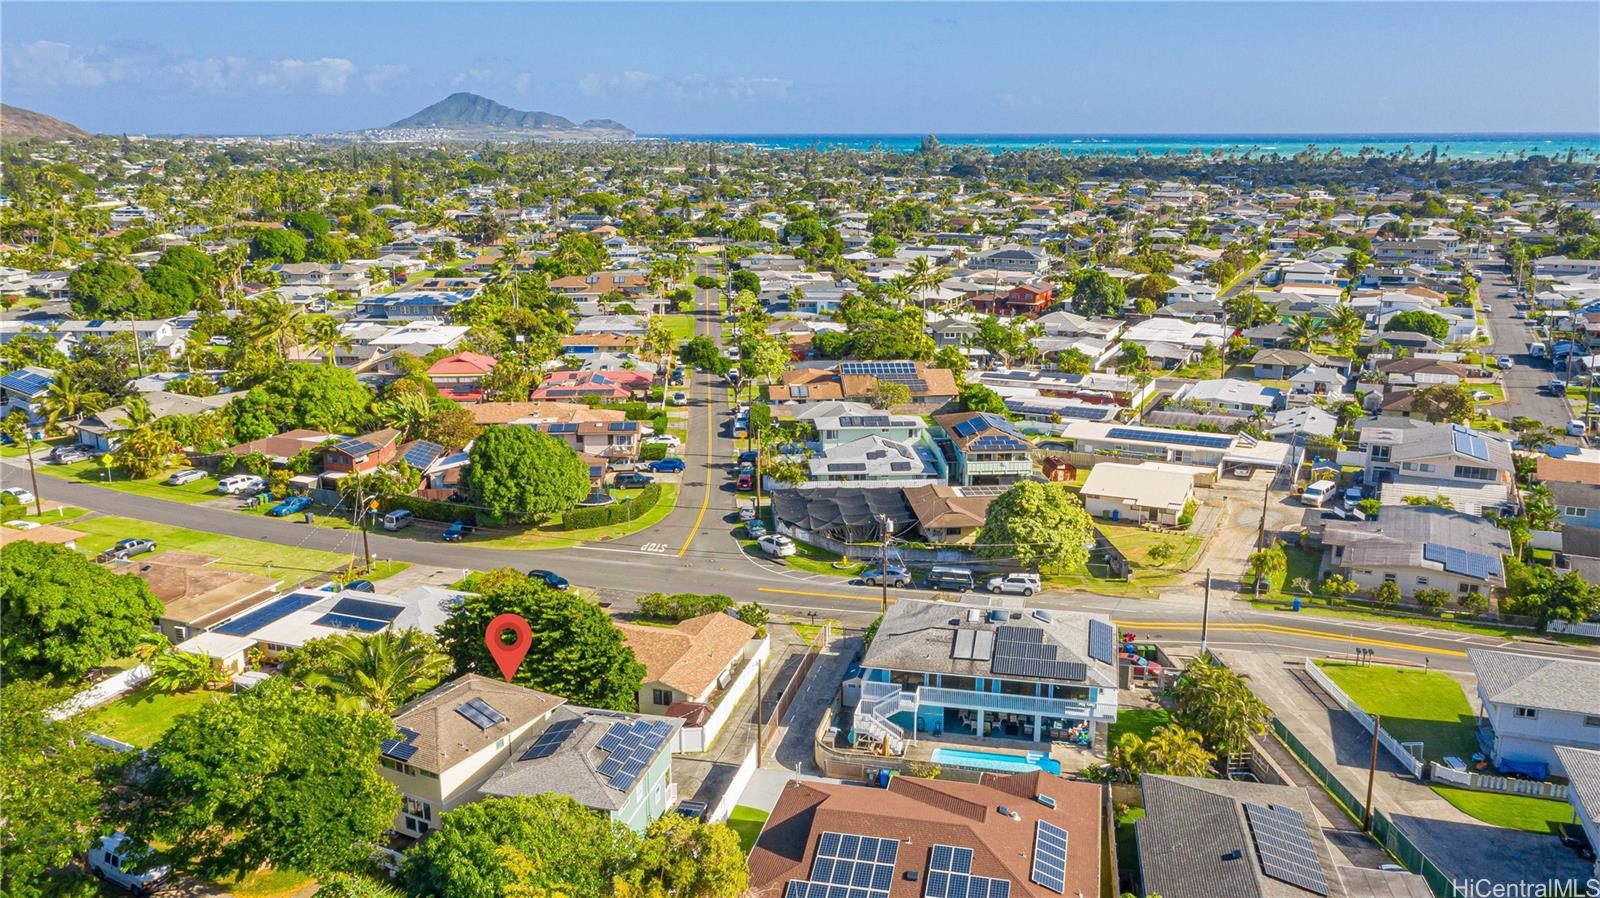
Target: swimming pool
(993,760)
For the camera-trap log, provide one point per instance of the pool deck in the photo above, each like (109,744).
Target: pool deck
(1073,758)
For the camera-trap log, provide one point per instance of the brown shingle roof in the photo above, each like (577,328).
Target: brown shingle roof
(923,813)
(445,738)
(688,657)
(1567,470)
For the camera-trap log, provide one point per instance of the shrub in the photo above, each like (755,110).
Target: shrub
(615,513)
(682,605)
(653,451)
(1387,593)
(659,424)
(1432,598)
(1186,519)
(431,510)
(1336,586)
(1473,601)
(754,614)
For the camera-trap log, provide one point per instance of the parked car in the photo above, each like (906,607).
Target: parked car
(66,455)
(23,496)
(1576,428)
(669,465)
(1317,494)
(1488,309)
(119,861)
(550,579)
(127,548)
(632,480)
(754,529)
(291,505)
(745,483)
(1505,361)
(1352,496)
(666,439)
(956,579)
(748,457)
(361,586)
(747,511)
(1024,584)
(1481,395)
(399,519)
(694,810)
(1556,387)
(678,374)
(679,397)
(895,576)
(776,545)
(241,485)
(454,532)
(1508,294)
(185,475)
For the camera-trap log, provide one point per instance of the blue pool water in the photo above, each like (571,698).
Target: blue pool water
(991,760)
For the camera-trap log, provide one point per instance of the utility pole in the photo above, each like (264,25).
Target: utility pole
(361,514)
(883,563)
(760,724)
(138,351)
(1205,614)
(1372,774)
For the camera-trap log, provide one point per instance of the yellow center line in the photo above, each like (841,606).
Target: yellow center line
(705,501)
(822,595)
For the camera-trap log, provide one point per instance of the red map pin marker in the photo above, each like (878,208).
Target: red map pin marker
(508,657)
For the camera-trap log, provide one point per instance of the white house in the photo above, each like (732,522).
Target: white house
(1533,704)
(1149,492)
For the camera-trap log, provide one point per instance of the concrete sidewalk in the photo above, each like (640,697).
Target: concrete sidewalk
(1463,847)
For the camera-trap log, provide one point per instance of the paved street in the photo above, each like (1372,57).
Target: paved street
(1510,336)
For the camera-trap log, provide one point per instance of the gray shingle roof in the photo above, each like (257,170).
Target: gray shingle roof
(1583,776)
(917,635)
(574,769)
(1534,681)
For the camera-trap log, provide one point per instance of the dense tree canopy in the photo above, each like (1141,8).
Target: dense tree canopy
(111,289)
(274,775)
(519,474)
(61,614)
(577,652)
(1419,322)
(303,394)
(1041,525)
(569,848)
(278,245)
(1098,294)
(684,858)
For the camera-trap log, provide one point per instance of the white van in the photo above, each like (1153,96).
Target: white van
(1576,428)
(397,519)
(241,485)
(1536,349)
(1317,494)
(116,859)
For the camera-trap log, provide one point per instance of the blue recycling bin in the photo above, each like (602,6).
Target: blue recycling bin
(1297,603)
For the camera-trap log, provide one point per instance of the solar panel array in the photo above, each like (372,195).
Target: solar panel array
(551,739)
(632,746)
(1469,444)
(622,425)
(422,454)
(879,369)
(950,876)
(481,713)
(1461,561)
(356,446)
(848,865)
(970,644)
(367,608)
(26,382)
(349,622)
(1102,641)
(563,427)
(1284,845)
(1171,437)
(1050,857)
(402,747)
(277,610)
(1022,652)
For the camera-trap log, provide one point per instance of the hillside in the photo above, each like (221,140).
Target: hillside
(17,123)
(470,115)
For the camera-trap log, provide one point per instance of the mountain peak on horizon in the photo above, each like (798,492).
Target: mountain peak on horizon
(465,111)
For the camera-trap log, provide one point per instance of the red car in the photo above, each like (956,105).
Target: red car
(746,482)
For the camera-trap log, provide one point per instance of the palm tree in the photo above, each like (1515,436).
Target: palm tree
(322,333)
(275,321)
(1305,331)
(184,672)
(136,413)
(68,399)
(1347,324)
(152,646)
(381,671)
(406,412)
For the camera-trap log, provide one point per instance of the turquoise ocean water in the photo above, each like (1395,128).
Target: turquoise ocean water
(1585,147)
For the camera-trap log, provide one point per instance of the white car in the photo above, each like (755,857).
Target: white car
(116,859)
(1505,361)
(680,398)
(241,485)
(23,496)
(747,512)
(23,525)
(1026,584)
(665,439)
(1481,395)
(776,544)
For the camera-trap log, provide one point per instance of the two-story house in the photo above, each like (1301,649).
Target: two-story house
(1532,704)
(607,439)
(1471,468)
(1023,300)
(935,668)
(362,454)
(985,448)
(1012,257)
(457,376)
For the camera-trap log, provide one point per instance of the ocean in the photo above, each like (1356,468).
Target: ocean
(1452,146)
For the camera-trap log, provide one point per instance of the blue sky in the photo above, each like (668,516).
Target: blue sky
(905,67)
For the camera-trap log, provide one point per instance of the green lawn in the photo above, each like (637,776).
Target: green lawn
(682,326)
(1301,564)
(1127,845)
(1416,705)
(267,559)
(90,472)
(264,883)
(61,514)
(141,717)
(551,536)
(1136,542)
(1535,815)
(747,822)
(17,450)
(1139,721)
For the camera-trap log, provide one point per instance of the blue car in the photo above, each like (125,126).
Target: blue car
(550,579)
(669,465)
(452,533)
(292,505)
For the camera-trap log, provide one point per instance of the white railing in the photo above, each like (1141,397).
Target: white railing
(1000,701)
(1484,782)
(100,693)
(880,701)
(1409,761)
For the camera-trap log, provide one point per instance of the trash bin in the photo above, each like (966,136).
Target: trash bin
(1297,603)
(309,517)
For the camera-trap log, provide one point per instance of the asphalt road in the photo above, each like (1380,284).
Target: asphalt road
(1510,336)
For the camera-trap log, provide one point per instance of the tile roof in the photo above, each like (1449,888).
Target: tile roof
(923,813)
(462,363)
(688,657)
(1569,470)
(1534,681)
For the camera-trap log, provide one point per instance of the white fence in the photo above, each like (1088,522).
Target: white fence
(700,738)
(1407,760)
(1583,628)
(102,692)
(736,787)
(1484,782)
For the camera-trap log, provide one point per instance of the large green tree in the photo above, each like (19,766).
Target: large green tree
(1097,294)
(1419,322)
(320,397)
(50,790)
(1217,702)
(381,671)
(569,848)
(110,289)
(519,474)
(576,653)
(276,775)
(685,858)
(61,614)
(1040,525)
(278,245)
(1439,403)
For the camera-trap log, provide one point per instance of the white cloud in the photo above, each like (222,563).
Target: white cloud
(378,77)
(50,65)
(329,75)
(694,88)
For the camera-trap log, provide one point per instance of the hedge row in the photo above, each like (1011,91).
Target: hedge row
(615,513)
(681,606)
(431,510)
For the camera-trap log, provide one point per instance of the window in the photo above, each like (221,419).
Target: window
(1422,581)
(661,696)
(1467,472)
(1589,720)
(1572,511)
(1528,713)
(1389,578)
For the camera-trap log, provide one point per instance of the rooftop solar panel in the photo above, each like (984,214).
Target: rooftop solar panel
(481,713)
(1050,857)
(1283,843)
(347,622)
(1102,641)
(422,454)
(401,747)
(1469,444)
(550,740)
(355,446)
(276,610)
(1170,437)
(950,876)
(367,608)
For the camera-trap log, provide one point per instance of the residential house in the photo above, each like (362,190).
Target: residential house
(488,413)
(1022,300)
(1280,364)
(452,739)
(1533,704)
(947,515)
(1418,547)
(1229,394)
(279,449)
(876,458)
(1314,381)
(615,386)
(929,386)
(1023,835)
(1149,492)
(457,376)
(952,331)
(1206,838)
(1582,768)
(103,430)
(1308,274)
(1471,468)
(1577,504)
(697,671)
(24,390)
(1012,257)
(1118,390)
(606,439)
(196,594)
(1198,293)
(985,448)
(855,421)
(1028,677)
(363,454)
(1215,451)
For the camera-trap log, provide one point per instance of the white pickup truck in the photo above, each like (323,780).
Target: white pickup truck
(116,859)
